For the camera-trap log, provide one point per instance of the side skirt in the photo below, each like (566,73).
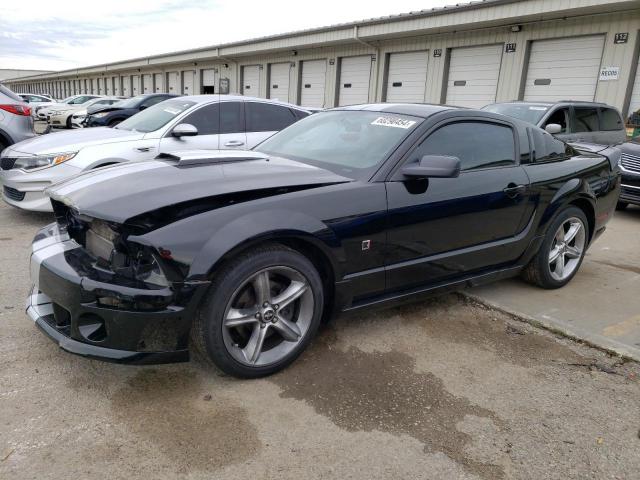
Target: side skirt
(420,293)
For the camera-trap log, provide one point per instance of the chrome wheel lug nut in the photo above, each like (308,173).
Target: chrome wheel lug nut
(276,306)
(265,304)
(258,315)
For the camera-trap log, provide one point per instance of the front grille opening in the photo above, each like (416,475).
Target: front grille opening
(92,327)
(13,194)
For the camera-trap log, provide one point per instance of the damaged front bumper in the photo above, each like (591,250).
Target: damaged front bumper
(72,303)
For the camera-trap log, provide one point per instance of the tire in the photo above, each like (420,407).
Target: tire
(622,206)
(113,123)
(283,331)
(547,273)
(3,145)
(69,126)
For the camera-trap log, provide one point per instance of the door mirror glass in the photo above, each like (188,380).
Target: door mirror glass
(553,128)
(184,130)
(433,166)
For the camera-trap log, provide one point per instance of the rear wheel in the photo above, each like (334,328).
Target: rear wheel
(622,206)
(562,250)
(263,309)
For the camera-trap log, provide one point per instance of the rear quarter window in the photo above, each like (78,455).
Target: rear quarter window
(610,119)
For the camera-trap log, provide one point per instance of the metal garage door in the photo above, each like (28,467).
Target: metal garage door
(355,74)
(565,68)
(473,75)
(208,81)
(407,77)
(159,84)
(126,86)
(314,76)
(173,81)
(188,81)
(251,80)
(135,85)
(279,81)
(147,83)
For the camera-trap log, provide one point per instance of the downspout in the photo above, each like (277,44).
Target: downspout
(377,50)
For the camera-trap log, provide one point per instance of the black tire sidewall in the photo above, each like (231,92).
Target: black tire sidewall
(543,264)
(224,287)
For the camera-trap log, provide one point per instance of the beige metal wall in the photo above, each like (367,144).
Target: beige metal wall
(512,69)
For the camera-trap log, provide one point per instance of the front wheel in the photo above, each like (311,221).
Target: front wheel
(263,309)
(562,250)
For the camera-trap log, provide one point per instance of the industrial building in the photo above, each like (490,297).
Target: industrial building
(469,55)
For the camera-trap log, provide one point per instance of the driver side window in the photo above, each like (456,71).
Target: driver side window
(560,117)
(477,144)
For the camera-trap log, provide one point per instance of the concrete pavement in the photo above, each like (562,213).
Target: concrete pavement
(601,305)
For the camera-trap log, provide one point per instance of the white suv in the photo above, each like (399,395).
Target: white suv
(207,122)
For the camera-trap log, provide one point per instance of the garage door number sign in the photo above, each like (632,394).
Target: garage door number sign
(609,73)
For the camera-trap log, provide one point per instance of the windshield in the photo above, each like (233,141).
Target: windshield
(155,117)
(522,111)
(130,102)
(349,142)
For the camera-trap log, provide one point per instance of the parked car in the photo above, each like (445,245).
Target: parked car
(36,100)
(112,115)
(245,252)
(79,117)
(570,121)
(16,123)
(201,121)
(75,100)
(62,117)
(630,166)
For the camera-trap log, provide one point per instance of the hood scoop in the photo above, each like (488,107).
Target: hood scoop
(190,158)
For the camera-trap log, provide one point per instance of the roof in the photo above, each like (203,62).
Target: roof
(551,103)
(423,110)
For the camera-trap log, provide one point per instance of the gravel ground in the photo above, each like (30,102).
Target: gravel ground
(445,389)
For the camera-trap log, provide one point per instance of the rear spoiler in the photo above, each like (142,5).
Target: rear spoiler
(612,153)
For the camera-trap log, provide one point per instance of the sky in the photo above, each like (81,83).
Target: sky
(46,35)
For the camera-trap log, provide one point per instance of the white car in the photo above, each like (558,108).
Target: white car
(198,122)
(43,111)
(62,116)
(36,101)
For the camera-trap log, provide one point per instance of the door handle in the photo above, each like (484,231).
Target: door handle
(144,149)
(234,143)
(513,190)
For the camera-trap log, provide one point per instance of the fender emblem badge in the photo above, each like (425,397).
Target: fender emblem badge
(366,245)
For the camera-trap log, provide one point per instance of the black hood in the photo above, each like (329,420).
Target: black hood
(121,192)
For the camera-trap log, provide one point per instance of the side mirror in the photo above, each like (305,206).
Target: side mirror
(553,128)
(184,130)
(433,166)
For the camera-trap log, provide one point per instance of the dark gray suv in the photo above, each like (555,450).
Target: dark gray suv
(16,123)
(569,121)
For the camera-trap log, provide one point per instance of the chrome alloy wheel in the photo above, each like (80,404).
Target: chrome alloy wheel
(567,248)
(267,316)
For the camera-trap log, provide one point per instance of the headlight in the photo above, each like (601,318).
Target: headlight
(43,161)
(100,114)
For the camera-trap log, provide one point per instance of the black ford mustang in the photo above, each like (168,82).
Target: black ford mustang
(242,254)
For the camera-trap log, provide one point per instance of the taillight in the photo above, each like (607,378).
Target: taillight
(16,109)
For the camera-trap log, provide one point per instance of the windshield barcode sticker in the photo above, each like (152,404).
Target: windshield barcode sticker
(393,122)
